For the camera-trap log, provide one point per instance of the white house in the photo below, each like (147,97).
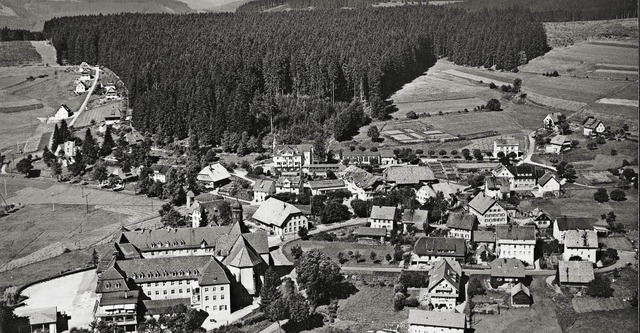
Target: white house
(388,157)
(548,183)
(85,75)
(281,218)
(575,273)
(449,190)
(423,321)
(81,88)
(326,185)
(517,242)
(506,146)
(593,126)
(288,184)
(262,189)
(488,210)
(292,158)
(214,175)
(497,187)
(552,120)
(160,172)
(383,217)
(359,182)
(416,218)
(580,243)
(461,225)
(430,250)
(564,224)
(63,112)
(558,144)
(444,286)
(540,218)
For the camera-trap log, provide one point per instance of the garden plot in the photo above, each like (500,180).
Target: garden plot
(408,135)
(590,304)
(474,77)
(618,101)
(557,103)
(601,177)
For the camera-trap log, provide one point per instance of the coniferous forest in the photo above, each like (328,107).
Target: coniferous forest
(224,75)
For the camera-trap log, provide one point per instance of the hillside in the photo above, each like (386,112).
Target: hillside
(32,15)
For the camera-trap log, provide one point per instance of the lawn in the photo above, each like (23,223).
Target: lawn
(371,308)
(331,249)
(625,320)
(18,53)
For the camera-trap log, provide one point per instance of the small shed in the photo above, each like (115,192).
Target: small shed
(367,235)
(520,296)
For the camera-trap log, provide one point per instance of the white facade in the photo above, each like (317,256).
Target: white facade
(551,186)
(416,328)
(443,296)
(506,147)
(587,254)
(291,225)
(460,233)
(522,250)
(495,215)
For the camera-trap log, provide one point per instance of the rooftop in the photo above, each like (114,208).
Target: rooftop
(359,177)
(514,232)
(214,172)
(581,239)
(275,212)
(325,183)
(575,223)
(483,236)
(575,271)
(416,216)
(408,174)
(264,185)
(546,178)
(436,319)
(507,268)
(383,212)
(440,246)
(481,203)
(461,221)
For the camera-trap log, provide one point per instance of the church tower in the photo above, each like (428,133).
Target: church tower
(236,212)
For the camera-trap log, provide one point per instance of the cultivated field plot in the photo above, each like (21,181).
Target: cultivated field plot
(47,52)
(567,33)
(618,101)
(624,320)
(477,78)
(601,177)
(331,249)
(557,103)
(97,114)
(433,107)
(409,135)
(486,144)
(629,92)
(11,104)
(589,304)
(371,308)
(430,87)
(468,123)
(18,53)
(618,243)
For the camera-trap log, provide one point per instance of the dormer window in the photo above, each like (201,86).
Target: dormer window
(117,284)
(107,285)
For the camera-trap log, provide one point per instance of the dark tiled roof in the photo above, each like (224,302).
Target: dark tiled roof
(383,212)
(161,169)
(181,238)
(592,123)
(326,183)
(443,271)
(547,177)
(166,269)
(507,268)
(120,297)
(360,177)
(440,246)
(483,236)
(213,274)
(575,223)
(408,174)
(461,221)
(513,232)
(523,171)
(242,255)
(415,216)
(575,271)
(164,306)
(370,232)
(481,203)
(264,185)
(437,319)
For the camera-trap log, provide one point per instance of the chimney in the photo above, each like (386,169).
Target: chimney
(125,294)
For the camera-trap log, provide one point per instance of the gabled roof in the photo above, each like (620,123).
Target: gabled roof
(497,183)
(483,236)
(359,177)
(555,117)
(443,271)
(560,140)
(438,246)
(510,267)
(41,316)
(264,185)
(214,172)
(461,221)
(242,255)
(348,154)
(523,171)
(515,232)
(592,123)
(370,232)
(437,319)
(507,142)
(165,268)
(575,271)
(546,178)
(581,239)
(386,153)
(120,297)
(415,216)
(481,203)
(161,169)
(180,238)
(275,212)
(213,274)
(325,183)
(383,212)
(294,180)
(408,174)
(520,288)
(574,223)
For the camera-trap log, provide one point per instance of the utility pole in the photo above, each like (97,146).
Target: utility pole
(54,202)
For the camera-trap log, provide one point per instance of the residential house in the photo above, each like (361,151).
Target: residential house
(429,250)
(118,298)
(498,188)
(388,157)
(82,87)
(408,175)
(593,126)
(280,217)
(540,218)
(518,242)
(371,236)
(574,273)
(507,271)
(85,75)
(461,225)
(450,191)
(44,319)
(214,176)
(63,112)
(552,121)
(416,218)
(291,159)
(506,146)
(563,224)
(262,189)
(422,321)
(326,185)
(360,183)
(580,243)
(444,286)
(110,92)
(323,169)
(558,144)
(383,217)
(209,212)
(289,184)
(358,157)
(548,184)
(521,177)
(159,172)
(488,210)
(521,296)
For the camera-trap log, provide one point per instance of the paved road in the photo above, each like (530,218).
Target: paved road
(531,150)
(241,173)
(371,268)
(625,257)
(86,100)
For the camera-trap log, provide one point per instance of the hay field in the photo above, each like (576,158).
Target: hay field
(97,114)
(567,33)
(18,53)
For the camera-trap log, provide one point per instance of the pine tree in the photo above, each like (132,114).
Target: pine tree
(107,144)
(269,292)
(55,138)
(89,148)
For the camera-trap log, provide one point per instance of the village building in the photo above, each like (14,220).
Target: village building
(485,242)
(423,321)
(552,121)
(388,157)
(417,219)
(289,184)
(429,250)
(498,188)
(593,126)
(360,183)
(450,192)
(506,272)
(548,184)
(262,189)
(210,212)
(280,217)
(521,178)
(408,175)
(82,87)
(461,225)
(159,172)
(291,159)
(602,227)
(517,242)
(383,217)
(574,273)
(63,112)
(506,146)
(134,138)
(444,286)
(521,296)
(86,75)
(488,210)
(323,169)
(45,319)
(563,224)
(371,236)
(358,157)
(540,218)
(214,176)
(558,144)
(582,244)
(318,187)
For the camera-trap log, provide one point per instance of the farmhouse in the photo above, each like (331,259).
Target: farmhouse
(214,176)
(82,87)
(548,184)
(63,112)
(580,243)
(360,183)
(488,210)
(461,225)
(563,224)
(361,157)
(540,218)
(388,157)
(46,320)
(506,146)
(558,144)
(262,189)
(429,250)
(516,242)
(159,172)
(289,184)
(85,75)
(521,178)
(422,321)
(553,120)
(326,185)
(408,175)
(498,188)
(450,191)
(520,296)
(383,217)
(574,273)
(444,286)
(506,271)
(371,236)
(292,158)
(593,126)
(416,218)
(282,218)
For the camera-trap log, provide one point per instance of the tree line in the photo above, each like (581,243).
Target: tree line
(231,73)
(8,35)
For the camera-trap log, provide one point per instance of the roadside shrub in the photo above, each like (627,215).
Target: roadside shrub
(618,195)
(493,105)
(492,85)
(600,287)
(412,115)
(411,302)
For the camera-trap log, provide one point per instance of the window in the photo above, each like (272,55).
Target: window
(206,298)
(157,292)
(221,288)
(157,284)
(213,297)
(188,290)
(148,293)
(215,308)
(172,283)
(221,296)
(180,291)
(164,292)
(173,291)
(213,288)
(206,289)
